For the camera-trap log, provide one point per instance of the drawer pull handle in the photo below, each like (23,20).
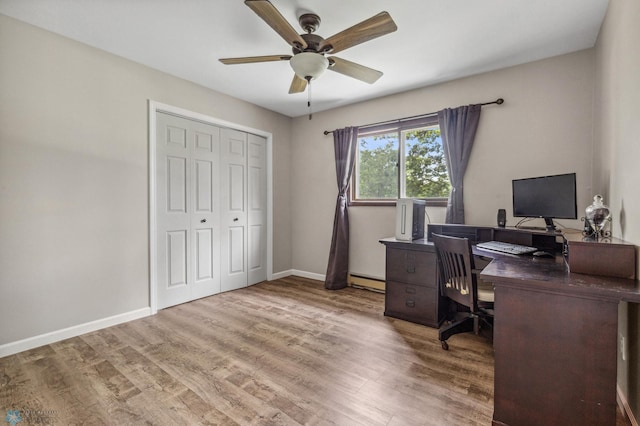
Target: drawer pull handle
(411,303)
(410,290)
(411,269)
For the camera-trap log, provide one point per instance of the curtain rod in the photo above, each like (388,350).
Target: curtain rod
(498,101)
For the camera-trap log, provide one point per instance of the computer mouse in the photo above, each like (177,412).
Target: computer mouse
(541,253)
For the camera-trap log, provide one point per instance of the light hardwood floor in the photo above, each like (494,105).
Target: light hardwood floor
(285,352)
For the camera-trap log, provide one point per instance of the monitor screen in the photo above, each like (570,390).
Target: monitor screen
(546,196)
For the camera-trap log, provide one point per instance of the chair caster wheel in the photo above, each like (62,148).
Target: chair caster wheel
(445,345)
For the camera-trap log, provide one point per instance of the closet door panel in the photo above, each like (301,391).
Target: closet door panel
(236,188)
(204,179)
(187,176)
(234,209)
(173,237)
(204,254)
(236,249)
(257,209)
(177,253)
(205,220)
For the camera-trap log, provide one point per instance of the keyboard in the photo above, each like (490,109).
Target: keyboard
(506,247)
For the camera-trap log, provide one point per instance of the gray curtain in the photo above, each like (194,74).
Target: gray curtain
(458,130)
(344,144)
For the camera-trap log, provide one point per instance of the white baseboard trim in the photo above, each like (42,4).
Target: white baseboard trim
(282,274)
(76,330)
(298,273)
(310,275)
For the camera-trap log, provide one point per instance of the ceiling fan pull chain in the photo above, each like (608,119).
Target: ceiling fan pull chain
(309,98)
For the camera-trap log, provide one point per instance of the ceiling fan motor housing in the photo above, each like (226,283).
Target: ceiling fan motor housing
(313,43)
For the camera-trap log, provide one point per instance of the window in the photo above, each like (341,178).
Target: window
(400,160)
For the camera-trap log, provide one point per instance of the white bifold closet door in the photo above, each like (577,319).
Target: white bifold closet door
(204,227)
(243,201)
(187,192)
(257,209)
(233,196)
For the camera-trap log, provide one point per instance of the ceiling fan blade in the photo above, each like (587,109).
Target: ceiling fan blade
(252,59)
(274,18)
(351,69)
(297,85)
(366,30)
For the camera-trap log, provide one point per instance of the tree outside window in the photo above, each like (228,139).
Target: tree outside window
(400,164)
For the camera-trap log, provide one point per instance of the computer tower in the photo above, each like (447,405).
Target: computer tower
(409,219)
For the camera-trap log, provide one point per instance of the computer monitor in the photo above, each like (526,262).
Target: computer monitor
(547,197)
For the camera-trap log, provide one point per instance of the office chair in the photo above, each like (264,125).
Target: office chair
(459,283)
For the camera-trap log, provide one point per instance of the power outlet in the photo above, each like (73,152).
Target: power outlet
(623,348)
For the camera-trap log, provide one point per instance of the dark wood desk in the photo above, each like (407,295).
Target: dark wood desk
(555,342)
(411,284)
(555,336)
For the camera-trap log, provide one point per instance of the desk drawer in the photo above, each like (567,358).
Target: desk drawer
(411,267)
(413,303)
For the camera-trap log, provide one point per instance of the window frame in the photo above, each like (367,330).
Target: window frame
(401,127)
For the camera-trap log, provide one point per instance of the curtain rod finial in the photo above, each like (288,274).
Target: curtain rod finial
(326,132)
(500,101)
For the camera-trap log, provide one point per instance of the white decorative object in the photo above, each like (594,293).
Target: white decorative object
(309,65)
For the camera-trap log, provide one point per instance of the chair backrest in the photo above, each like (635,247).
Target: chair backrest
(455,263)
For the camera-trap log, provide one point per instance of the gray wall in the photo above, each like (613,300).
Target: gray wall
(74,178)
(616,154)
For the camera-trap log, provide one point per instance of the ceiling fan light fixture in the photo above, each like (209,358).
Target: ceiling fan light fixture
(309,65)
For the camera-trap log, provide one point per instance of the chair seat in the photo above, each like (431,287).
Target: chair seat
(485,291)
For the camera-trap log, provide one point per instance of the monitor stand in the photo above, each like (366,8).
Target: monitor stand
(550,225)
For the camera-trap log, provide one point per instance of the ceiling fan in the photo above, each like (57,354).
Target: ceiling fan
(308,60)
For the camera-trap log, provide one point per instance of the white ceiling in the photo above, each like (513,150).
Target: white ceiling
(436,40)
